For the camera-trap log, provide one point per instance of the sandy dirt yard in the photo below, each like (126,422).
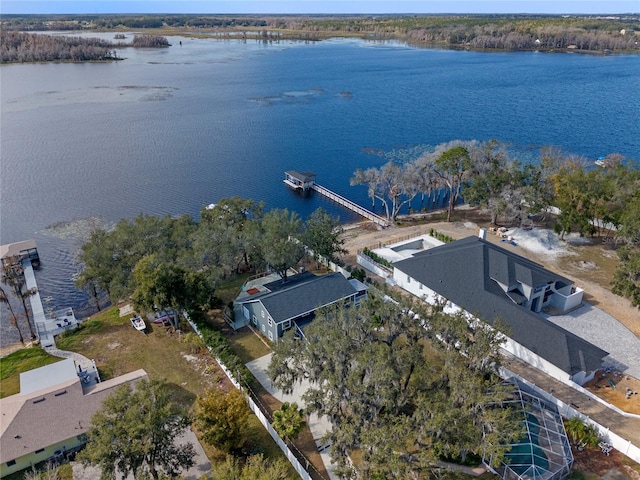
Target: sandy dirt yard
(588,262)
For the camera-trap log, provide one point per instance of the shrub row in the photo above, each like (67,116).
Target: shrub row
(220,348)
(441,236)
(377,258)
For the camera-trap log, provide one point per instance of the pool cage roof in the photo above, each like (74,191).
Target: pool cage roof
(543,453)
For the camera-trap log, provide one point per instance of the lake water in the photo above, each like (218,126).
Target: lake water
(168,131)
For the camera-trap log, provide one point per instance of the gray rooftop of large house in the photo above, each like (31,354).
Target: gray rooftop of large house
(464,272)
(302,294)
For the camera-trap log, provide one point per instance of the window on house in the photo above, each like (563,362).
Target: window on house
(40,450)
(408,279)
(270,335)
(270,322)
(11,463)
(263,329)
(255,320)
(420,286)
(286,325)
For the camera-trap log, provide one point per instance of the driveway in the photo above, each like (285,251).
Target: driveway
(318,425)
(604,331)
(201,467)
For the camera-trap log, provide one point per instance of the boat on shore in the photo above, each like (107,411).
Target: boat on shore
(138,323)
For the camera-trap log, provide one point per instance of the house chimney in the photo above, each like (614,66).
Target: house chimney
(482,234)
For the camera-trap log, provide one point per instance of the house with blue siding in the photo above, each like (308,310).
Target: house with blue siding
(275,306)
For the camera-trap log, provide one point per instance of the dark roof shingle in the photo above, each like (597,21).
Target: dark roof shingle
(465,273)
(303,293)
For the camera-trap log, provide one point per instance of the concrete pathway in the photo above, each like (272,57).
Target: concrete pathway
(87,369)
(604,331)
(319,426)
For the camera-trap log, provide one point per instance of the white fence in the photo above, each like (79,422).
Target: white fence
(295,463)
(616,441)
(373,266)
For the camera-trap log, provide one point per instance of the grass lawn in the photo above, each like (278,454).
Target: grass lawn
(20,361)
(118,348)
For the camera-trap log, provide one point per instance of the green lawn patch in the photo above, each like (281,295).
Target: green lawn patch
(20,361)
(165,355)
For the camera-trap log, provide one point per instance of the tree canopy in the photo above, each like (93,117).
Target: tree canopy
(256,467)
(279,241)
(395,392)
(222,417)
(322,234)
(136,431)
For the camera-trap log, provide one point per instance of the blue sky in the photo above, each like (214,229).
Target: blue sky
(320,6)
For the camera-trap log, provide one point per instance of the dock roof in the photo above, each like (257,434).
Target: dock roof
(16,249)
(302,176)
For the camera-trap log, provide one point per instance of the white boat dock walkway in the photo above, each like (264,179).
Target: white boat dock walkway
(345,202)
(307,181)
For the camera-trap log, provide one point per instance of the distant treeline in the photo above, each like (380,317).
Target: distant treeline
(80,22)
(505,32)
(493,32)
(28,47)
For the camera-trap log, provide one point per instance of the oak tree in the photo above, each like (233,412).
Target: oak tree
(136,430)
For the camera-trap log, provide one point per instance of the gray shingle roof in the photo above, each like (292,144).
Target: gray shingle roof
(462,272)
(303,293)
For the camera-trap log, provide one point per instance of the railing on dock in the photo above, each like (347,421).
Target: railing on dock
(339,199)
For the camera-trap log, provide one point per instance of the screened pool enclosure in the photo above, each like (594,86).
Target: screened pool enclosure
(543,453)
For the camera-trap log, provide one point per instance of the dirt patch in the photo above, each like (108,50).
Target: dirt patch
(623,391)
(613,466)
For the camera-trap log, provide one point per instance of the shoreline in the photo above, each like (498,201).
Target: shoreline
(363,233)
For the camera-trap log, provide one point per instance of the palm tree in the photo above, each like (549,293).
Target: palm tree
(288,421)
(581,434)
(13,319)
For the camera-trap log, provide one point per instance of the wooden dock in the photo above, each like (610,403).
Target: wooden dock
(306,181)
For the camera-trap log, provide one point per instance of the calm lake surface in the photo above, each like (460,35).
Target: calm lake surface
(169,131)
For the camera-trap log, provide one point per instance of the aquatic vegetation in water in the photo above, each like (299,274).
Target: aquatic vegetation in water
(76,229)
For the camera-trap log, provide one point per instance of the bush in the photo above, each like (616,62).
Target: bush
(377,258)
(441,236)
(220,348)
(359,274)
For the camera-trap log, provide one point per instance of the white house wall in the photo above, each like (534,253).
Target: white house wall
(366,262)
(566,302)
(414,287)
